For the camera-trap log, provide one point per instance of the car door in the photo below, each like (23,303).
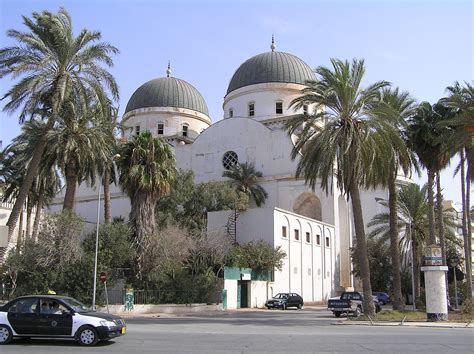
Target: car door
(292,300)
(23,316)
(55,319)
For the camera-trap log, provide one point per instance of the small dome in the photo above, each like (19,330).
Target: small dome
(167,92)
(271,67)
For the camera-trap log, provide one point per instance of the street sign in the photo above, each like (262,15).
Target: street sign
(103,277)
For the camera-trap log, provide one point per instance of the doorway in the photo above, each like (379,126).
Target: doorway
(243,293)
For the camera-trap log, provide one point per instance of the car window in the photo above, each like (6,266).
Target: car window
(24,306)
(52,307)
(76,305)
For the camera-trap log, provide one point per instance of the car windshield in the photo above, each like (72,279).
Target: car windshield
(76,305)
(281,296)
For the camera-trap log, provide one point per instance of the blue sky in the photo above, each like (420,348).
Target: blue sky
(420,46)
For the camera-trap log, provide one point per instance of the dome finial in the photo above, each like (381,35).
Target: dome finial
(273,46)
(168,71)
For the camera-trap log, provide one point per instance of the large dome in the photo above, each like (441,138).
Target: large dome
(271,67)
(167,92)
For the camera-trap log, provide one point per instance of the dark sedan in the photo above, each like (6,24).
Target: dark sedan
(58,317)
(383,298)
(285,300)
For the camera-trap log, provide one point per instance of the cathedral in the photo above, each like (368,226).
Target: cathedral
(313,227)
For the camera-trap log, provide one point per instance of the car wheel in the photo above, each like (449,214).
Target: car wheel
(300,306)
(87,336)
(283,307)
(6,334)
(358,311)
(337,314)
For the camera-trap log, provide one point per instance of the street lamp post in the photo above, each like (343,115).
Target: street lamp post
(94,289)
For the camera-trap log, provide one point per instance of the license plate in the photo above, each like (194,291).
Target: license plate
(124,329)
(270,305)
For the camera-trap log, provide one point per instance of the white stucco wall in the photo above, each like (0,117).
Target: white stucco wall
(264,96)
(231,286)
(258,293)
(173,119)
(308,268)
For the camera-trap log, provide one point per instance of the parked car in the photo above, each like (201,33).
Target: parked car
(285,300)
(58,317)
(350,302)
(383,298)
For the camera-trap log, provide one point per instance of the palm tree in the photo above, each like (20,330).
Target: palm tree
(412,222)
(461,98)
(53,65)
(432,141)
(107,166)
(18,155)
(341,140)
(78,145)
(244,177)
(396,107)
(147,171)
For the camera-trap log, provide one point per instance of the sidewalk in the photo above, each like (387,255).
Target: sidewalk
(441,324)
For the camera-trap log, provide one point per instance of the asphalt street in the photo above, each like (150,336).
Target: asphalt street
(292,331)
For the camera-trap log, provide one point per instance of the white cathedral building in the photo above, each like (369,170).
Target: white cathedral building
(313,228)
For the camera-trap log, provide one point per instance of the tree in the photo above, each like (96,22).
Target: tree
(396,107)
(147,172)
(432,141)
(412,220)
(461,98)
(244,177)
(18,155)
(79,144)
(188,203)
(341,140)
(378,252)
(258,255)
(54,65)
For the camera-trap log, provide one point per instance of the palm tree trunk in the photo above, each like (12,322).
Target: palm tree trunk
(398,303)
(29,212)
(20,231)
(107,203)
(369,308)
(28,180)
(39,207)
(432,236)
(466,221)
(439,218)
(416,266)
(142,219)
(71,183)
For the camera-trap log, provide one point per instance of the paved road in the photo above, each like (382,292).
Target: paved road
(306,331)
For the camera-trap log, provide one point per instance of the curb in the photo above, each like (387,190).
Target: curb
(406,324)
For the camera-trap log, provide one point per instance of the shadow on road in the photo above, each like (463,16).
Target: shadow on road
(38,342)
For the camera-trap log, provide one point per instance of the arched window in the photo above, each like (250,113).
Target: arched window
(229,159)
(231,113)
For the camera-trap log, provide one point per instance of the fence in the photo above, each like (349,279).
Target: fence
(141,297)
(116,297)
